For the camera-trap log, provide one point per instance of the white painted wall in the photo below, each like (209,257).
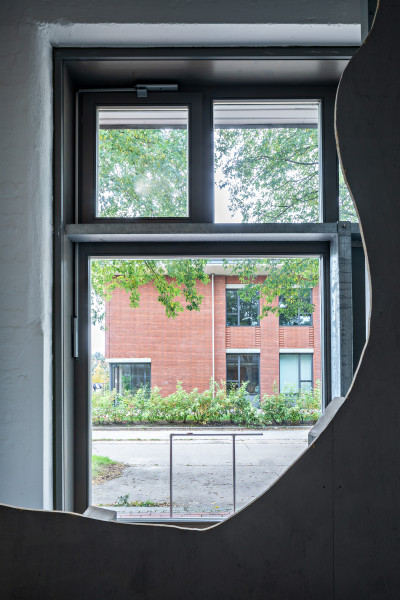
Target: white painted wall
(28,29)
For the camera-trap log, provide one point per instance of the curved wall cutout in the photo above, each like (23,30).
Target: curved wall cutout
(329,527)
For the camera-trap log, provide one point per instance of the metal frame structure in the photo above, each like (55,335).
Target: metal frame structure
(193,435)
(78,237)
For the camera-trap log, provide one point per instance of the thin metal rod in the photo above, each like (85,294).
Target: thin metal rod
(213,334)
(191,435)
(234,470)
(170,474)
(210,434)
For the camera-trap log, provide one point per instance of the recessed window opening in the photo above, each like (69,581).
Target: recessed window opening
(303,315)
(166,358)
(241,311)
(295,371)
(266,161)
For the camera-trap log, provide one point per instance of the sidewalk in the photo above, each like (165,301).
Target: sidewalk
(202,468)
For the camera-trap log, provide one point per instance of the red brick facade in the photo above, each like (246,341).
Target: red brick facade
(181,349)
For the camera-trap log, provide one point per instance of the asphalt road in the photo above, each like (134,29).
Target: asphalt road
(202,466)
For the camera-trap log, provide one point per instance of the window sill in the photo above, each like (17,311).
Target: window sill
(204,232)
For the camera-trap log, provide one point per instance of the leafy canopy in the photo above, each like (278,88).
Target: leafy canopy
(176,282)
(271,175)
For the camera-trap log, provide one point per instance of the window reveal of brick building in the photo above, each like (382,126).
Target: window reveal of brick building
(225,340)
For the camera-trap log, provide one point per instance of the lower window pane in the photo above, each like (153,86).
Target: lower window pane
(166,361)
(305,367)
(289,371)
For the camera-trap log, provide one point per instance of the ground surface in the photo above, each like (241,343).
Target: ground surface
(202,467)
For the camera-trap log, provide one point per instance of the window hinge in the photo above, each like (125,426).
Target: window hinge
(143,88)
(75,346)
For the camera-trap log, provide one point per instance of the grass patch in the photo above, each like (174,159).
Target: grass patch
(125,501)
(103,468)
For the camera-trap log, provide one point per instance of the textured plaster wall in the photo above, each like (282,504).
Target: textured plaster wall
(27,32)
(25,251)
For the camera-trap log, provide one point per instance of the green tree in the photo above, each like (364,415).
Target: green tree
(142,173)
(175,281)
(271,175)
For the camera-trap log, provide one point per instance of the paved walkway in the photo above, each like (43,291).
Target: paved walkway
(202,468)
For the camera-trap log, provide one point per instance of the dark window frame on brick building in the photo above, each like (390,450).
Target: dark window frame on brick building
(136,380)
(237,318)
(241,360)
(300,380)
(297,320)
(247,73)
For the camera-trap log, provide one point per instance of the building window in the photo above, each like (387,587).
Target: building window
(130,377)
(241,368)
(295,372)
(224,193)
(241,312)
(267,160)
(303,313)
(142,162)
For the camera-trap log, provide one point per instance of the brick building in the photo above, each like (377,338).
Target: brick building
(224,340)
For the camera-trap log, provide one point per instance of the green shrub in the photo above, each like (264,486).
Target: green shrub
(292,406)
(213,405)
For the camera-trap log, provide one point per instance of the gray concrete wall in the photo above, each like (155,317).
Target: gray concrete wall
(328,528)
(28,30)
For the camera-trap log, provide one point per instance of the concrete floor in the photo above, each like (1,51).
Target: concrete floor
(202,467)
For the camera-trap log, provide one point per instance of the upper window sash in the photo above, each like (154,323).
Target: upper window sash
(200,144)
(90,103)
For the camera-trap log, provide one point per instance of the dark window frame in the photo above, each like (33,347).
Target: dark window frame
(87,251)
(239,356)
(300,381)
(115,364)
(89,104)
(299,315)
(75,239)
(239,324)
(200,146)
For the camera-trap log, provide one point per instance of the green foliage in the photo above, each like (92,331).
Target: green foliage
(174,280)
(100,371)
(347,211)
(292,406)
(214,405)
(124,501)
(177,282)
(271,174)
(289,277)
(142,173)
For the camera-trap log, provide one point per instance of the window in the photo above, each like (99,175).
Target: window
(142,162)
(241,368)
(130,377)
(266,161)
(239,311)
(303,315)
(295,372)
(208,206)
(141,157)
